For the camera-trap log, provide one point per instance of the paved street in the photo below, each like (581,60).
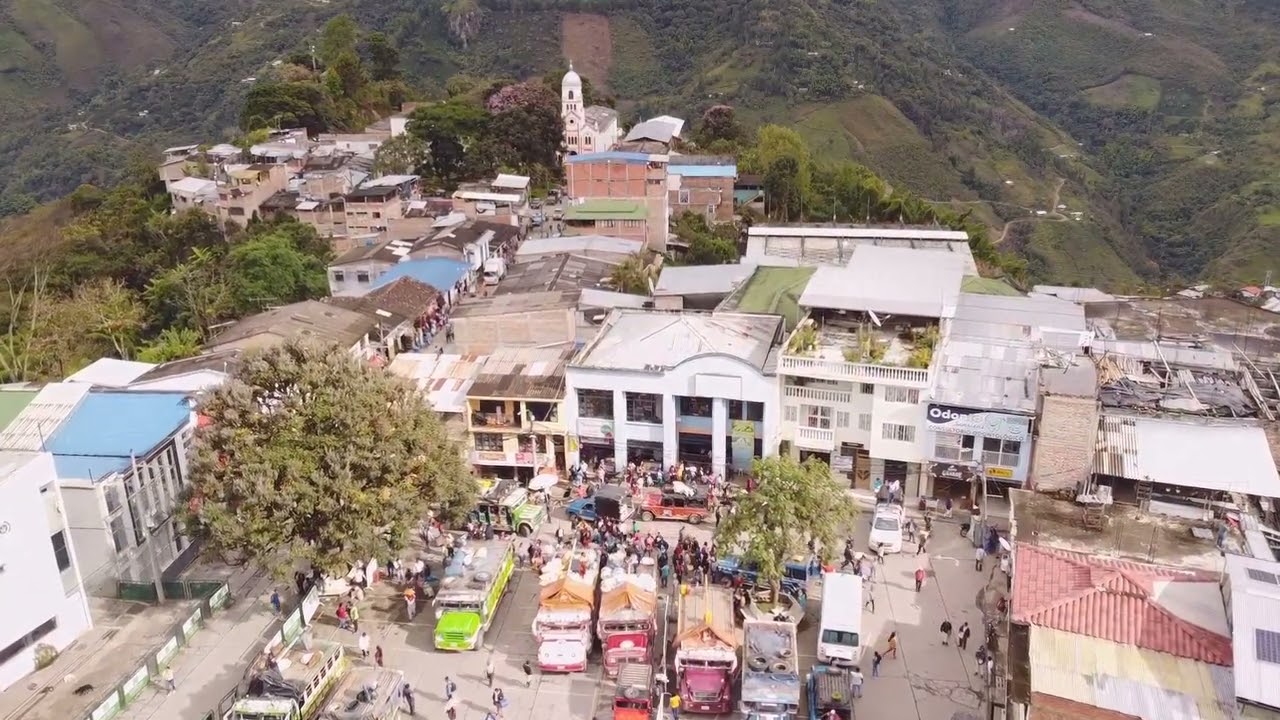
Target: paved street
(933,680)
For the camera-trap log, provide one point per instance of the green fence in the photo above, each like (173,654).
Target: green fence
(213,596)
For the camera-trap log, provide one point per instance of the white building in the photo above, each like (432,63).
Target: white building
(857,370)
(806,245)
(42,599)
(586,129)
(670,386)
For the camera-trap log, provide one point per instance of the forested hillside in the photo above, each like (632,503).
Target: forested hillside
(1107,141)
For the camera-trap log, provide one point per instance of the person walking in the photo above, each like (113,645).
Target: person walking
(962,636)
(528,673)
(344,616)
(920,543)
(410,602)
(170,684)
(675,706)
(407,693)
(450,687)
(945,629)
(499,701)
(489,671)
(893,645)
(855,682)
(363,644)
(275,601)
(377,655)
(876,659)
(355,617)
(919,578)
(979,554)
(451,709)
(869,600)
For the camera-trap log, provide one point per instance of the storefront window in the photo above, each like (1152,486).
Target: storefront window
(746,410)
(954,447)
(644,408)
(1000,453)
(595,404)
(695,407)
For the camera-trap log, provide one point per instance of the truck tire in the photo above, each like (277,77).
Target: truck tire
(646,516)
(696,519)
(524,530)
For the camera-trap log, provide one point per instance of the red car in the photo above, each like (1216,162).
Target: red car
(666,505)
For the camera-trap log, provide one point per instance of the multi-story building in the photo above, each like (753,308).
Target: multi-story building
(858,368)
(626,219)
(668,387)
(369,208)
(246,188)
(633,176)
(502,207)
(194,193)
(586,128)
(813,245)
(42,598)
(702,184)
(515,412)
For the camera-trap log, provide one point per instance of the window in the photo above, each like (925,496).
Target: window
(644,408)
(817,416)
(789,413)
(695,406)
(570,96)
(362,276)
(60,552)
(684,197)
(489,442)
(595,404)
(952,446)
(844,638)
(1001,453)
(28,640)
(119,537)
(339,276)
(864,422)
(746,410)
(899,433)
(866,388)
(111,493)
(842,419)
(235,211)
(901,395)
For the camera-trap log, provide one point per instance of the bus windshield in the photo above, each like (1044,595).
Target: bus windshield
(840,637)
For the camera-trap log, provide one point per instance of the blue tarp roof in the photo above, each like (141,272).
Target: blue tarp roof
(440,273)
(107,427)
(617,155)
(730,171)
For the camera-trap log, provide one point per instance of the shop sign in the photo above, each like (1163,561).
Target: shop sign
(842,463)
(489,456)
(595,428)
(950,471)
(966,421)
(1000,473)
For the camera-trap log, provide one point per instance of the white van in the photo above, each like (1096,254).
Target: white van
(886,528)
(495,268)
(840,633)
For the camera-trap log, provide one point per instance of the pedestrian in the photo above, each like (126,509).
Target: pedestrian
(945,629)
(919,578)
(988,668)
(893,645)
(355,617)
(410,602)
(407,692)
(979,554)
(363,643)
(344,616)
(869,600)
(170,684)
(528,673)
(675,706)
(924,538)
(880,553)
(876,659)
(499,701)
(377,655)
(855,682)
(489,671)
(450,687)
(451,709)
(275,601)
(962,637)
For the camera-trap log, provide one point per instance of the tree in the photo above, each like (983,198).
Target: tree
(449,129)
(708,244)
(285,104)
(719,124)
(382,56)
(348,74)
(632,275)
(104,310)
(793,504)
(195,294)
(338,36)
(402,154)
(270,270)
(316,456)
(784,190)
(171,344)
(27,311)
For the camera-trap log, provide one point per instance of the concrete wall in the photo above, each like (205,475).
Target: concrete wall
(486,333)
(346,279)
(696,194)
(36,606)
(1064,445)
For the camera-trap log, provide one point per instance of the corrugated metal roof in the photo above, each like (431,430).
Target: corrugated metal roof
(1255,605)
(900,281)
(721,171)
(897,233)
(608,156)
(655,341)
(989,375)
(701,279)
(32,429)
(1135,604)
(1127,679)
(444,379)
(1173,452)
(111,372)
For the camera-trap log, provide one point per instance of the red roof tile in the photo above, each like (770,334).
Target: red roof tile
(1109,600)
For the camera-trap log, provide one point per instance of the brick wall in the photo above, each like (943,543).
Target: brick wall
(1065,446)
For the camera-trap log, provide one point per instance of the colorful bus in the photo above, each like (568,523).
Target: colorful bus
(473,585)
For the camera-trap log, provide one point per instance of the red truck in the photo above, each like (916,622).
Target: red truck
(706,648)
(628,615)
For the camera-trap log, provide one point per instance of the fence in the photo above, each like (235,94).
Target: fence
(173,590)
(213,596)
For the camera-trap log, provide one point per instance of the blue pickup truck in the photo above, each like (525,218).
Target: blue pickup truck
(797,580)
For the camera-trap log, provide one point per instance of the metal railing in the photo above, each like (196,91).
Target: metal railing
(818,394)
(853,372)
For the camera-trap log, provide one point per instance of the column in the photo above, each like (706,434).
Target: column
(719,429)
(670,436)
(620,430)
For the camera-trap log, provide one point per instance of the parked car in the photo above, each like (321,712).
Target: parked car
(886,528)
(670,505)
(558,213)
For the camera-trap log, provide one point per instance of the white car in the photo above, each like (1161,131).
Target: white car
(886,528)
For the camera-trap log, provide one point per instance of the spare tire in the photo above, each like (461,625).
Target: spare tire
(781,667)
(759,662)
(784,652)
(631,693)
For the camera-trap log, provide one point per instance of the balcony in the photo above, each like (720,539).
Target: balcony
(822,395)
(842,371)
(494,421)
(863,349)
(811,438)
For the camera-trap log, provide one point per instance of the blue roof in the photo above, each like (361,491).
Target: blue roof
(618,155)
(729,171)
(107,427)
(440,273)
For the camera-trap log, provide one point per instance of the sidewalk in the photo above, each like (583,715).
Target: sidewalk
(215,661)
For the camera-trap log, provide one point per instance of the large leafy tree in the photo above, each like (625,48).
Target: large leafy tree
(271,270)
(313,455)
(709,244)
(793,504)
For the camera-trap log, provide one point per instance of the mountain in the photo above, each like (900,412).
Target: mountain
(1154,122)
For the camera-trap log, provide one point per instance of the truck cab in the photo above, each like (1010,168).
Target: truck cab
(609,502)
(506,506)
(670,505)
(797,579)
(633,693)
(829,690)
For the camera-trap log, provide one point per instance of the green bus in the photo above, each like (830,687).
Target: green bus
(473,585)
(506,506)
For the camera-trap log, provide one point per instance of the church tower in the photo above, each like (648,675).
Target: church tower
(571,109)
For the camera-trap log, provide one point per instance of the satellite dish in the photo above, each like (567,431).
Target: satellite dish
(874,318)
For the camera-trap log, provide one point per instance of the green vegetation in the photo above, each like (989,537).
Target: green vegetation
(774,290)
(1128,90)
(312,456)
